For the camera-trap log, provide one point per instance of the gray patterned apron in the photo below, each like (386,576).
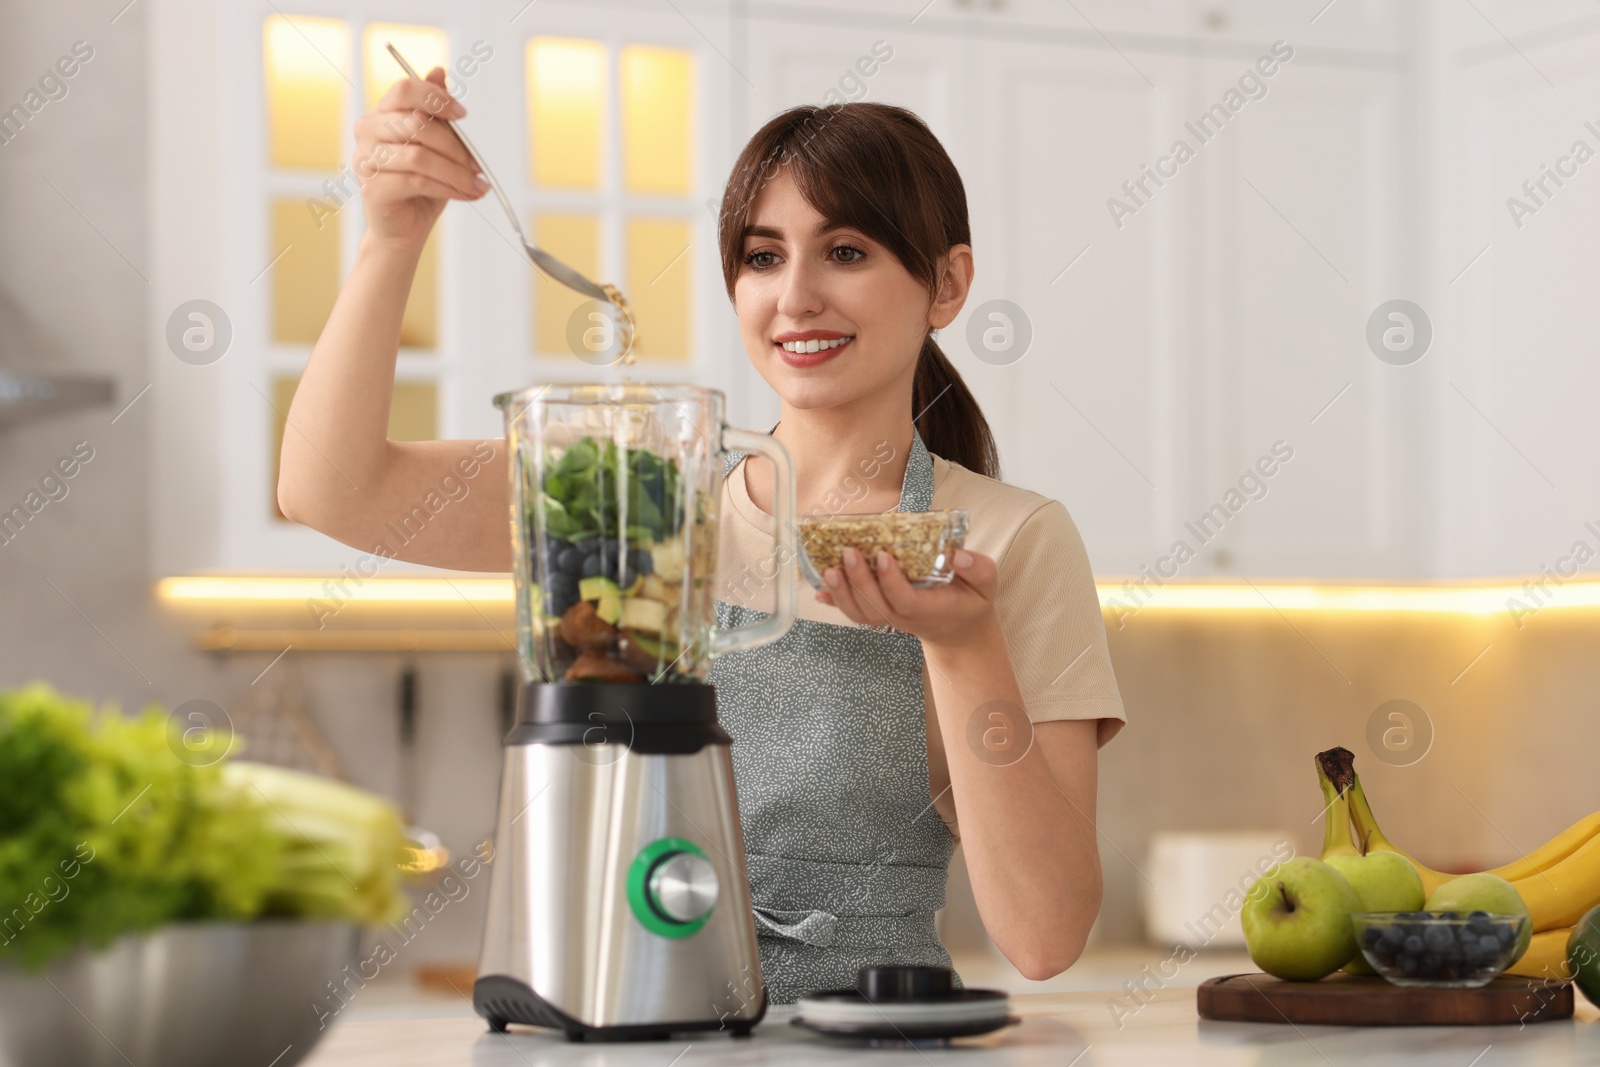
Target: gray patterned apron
(847,856)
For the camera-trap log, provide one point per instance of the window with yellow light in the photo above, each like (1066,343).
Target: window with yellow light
(653,180)
(309,90)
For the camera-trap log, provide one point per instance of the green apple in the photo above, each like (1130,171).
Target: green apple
(1385,881)
(1483,892)
(1297,920)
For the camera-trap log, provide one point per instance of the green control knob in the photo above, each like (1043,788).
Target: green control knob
(672,887)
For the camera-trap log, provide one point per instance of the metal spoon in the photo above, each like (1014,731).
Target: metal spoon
(541,259)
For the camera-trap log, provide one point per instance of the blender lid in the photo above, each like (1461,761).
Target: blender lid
(904,1004)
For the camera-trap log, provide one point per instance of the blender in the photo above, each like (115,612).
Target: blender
(619,903)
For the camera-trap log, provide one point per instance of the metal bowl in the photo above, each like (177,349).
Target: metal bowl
(184,995)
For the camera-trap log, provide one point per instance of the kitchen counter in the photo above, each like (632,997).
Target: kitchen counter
(1075,1029)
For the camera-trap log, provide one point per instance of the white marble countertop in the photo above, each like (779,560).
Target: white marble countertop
(1066,1029)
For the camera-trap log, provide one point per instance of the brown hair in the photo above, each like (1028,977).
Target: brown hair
(880,170)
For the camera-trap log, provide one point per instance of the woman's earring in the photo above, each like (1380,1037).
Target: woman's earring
(934,333)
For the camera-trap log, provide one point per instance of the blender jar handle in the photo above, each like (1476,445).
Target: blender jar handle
(783,539)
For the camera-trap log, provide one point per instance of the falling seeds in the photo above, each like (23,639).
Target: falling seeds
(625,330)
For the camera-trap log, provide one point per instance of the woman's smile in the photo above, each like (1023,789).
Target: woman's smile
(807,348)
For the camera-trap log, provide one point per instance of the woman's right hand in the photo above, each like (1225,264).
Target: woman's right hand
(409,164)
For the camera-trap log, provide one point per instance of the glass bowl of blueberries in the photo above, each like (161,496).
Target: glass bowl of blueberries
(1439,949)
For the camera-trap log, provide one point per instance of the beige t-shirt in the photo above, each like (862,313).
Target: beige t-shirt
(1048,606)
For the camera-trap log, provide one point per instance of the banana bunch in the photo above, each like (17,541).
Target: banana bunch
(1546,956)
(1559,881)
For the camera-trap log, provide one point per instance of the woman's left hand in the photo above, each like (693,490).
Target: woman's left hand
(940,615)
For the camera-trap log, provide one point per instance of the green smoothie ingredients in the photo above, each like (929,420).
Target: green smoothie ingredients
(609,577)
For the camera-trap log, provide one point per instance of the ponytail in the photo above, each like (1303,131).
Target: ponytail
(947,414)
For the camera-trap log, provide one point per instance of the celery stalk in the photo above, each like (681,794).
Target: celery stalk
(344,848)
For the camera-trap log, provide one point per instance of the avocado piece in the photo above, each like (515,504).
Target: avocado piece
(607,597)
(597,587)
(653,646)
(640,652)
(651,653)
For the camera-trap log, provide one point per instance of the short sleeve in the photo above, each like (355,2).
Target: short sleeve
(1050,613)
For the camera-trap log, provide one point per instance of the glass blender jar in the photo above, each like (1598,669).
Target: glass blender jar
(615,491)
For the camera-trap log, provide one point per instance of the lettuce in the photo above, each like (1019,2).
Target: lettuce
(106,829)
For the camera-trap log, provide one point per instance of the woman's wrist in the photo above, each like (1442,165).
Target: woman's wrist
(400,254)
(978,642)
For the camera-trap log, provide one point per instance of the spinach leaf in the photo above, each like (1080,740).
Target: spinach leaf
(583,493)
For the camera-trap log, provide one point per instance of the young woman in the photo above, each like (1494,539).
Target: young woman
(890,723)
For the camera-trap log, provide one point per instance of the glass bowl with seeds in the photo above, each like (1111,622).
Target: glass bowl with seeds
(923,543)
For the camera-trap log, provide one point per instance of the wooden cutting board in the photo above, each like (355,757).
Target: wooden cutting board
(1353,1000)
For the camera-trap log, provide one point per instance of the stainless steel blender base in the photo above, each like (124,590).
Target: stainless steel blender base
(619,903)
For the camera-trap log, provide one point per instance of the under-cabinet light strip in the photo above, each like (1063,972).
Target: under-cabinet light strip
(214,589)
(1117,598)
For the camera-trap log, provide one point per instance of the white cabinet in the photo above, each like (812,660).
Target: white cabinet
(1192,323)
(1301,236)
(1515,379)
(1091,414)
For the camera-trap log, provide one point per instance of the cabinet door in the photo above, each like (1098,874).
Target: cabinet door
(1090,414)
(1515,392)
(1302,237)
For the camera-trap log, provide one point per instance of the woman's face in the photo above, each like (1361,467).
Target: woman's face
(810,284)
